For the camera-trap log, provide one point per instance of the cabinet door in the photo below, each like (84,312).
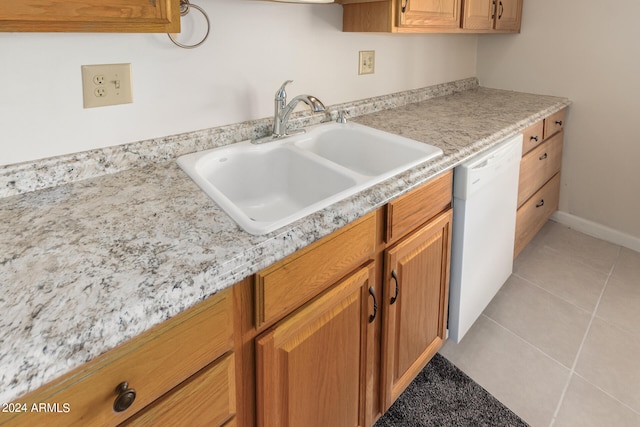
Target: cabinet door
(429,13)
(131,16)
(509,14)
(311,366)
(415,303)
(478,14)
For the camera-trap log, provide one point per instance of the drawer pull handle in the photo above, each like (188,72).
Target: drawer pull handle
(493,13)
(559,122)
(125,398)
(394,275)
(544,156)
(404,7)
(534,138)
(501,11)
(540,203)
(375,304)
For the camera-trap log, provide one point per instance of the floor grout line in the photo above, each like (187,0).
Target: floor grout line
(535,347)
(611,396)
(532,283)
(584,339)
(591,318)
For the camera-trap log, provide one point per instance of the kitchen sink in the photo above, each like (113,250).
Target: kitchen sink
(266,186)
(365,150)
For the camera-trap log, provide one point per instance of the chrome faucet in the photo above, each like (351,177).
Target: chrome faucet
(282,111)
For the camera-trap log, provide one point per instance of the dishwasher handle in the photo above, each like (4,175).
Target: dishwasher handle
(505,154)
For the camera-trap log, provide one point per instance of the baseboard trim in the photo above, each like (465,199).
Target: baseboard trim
(597,230)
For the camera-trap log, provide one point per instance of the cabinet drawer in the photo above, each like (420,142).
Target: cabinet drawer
(282,288)
(538,166)
(151,364)
(414,208)
(532,137)
(206,399)
(535,213)
(554,123)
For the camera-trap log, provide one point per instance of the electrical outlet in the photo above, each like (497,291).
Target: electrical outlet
(106,84)
(366,62)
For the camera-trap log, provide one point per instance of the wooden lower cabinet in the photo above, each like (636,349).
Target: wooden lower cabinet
(539,182)
(344,357)
(207,399)
(414,303)
(535,212)
(538,166)
(311,366)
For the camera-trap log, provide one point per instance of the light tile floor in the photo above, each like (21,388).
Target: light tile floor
(560,343)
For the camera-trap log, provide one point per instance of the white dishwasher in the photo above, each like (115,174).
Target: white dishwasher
(485,197)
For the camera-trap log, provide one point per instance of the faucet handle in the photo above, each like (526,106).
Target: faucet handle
(281,94)
(342,117)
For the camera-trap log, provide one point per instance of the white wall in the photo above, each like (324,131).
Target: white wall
(253,47)
(588,51)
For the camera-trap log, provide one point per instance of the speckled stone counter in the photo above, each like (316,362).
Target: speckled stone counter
(88,264)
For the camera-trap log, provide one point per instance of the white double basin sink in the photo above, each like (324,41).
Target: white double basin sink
(266,186)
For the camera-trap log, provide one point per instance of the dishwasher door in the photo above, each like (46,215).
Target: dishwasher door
(484,221)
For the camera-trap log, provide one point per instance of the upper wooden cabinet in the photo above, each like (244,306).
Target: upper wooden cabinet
(499,15)
(429,13)
(123,16)
(432,16)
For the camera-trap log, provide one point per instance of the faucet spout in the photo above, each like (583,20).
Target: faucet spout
(312,102)
(282,111)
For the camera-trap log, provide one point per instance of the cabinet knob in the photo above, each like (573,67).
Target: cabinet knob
(125,398)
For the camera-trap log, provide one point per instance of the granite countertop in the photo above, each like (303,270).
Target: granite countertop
(87,265)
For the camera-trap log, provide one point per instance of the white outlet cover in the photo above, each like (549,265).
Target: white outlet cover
(115,89)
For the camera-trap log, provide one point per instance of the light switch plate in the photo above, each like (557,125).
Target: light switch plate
(367,62)
(106,84)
